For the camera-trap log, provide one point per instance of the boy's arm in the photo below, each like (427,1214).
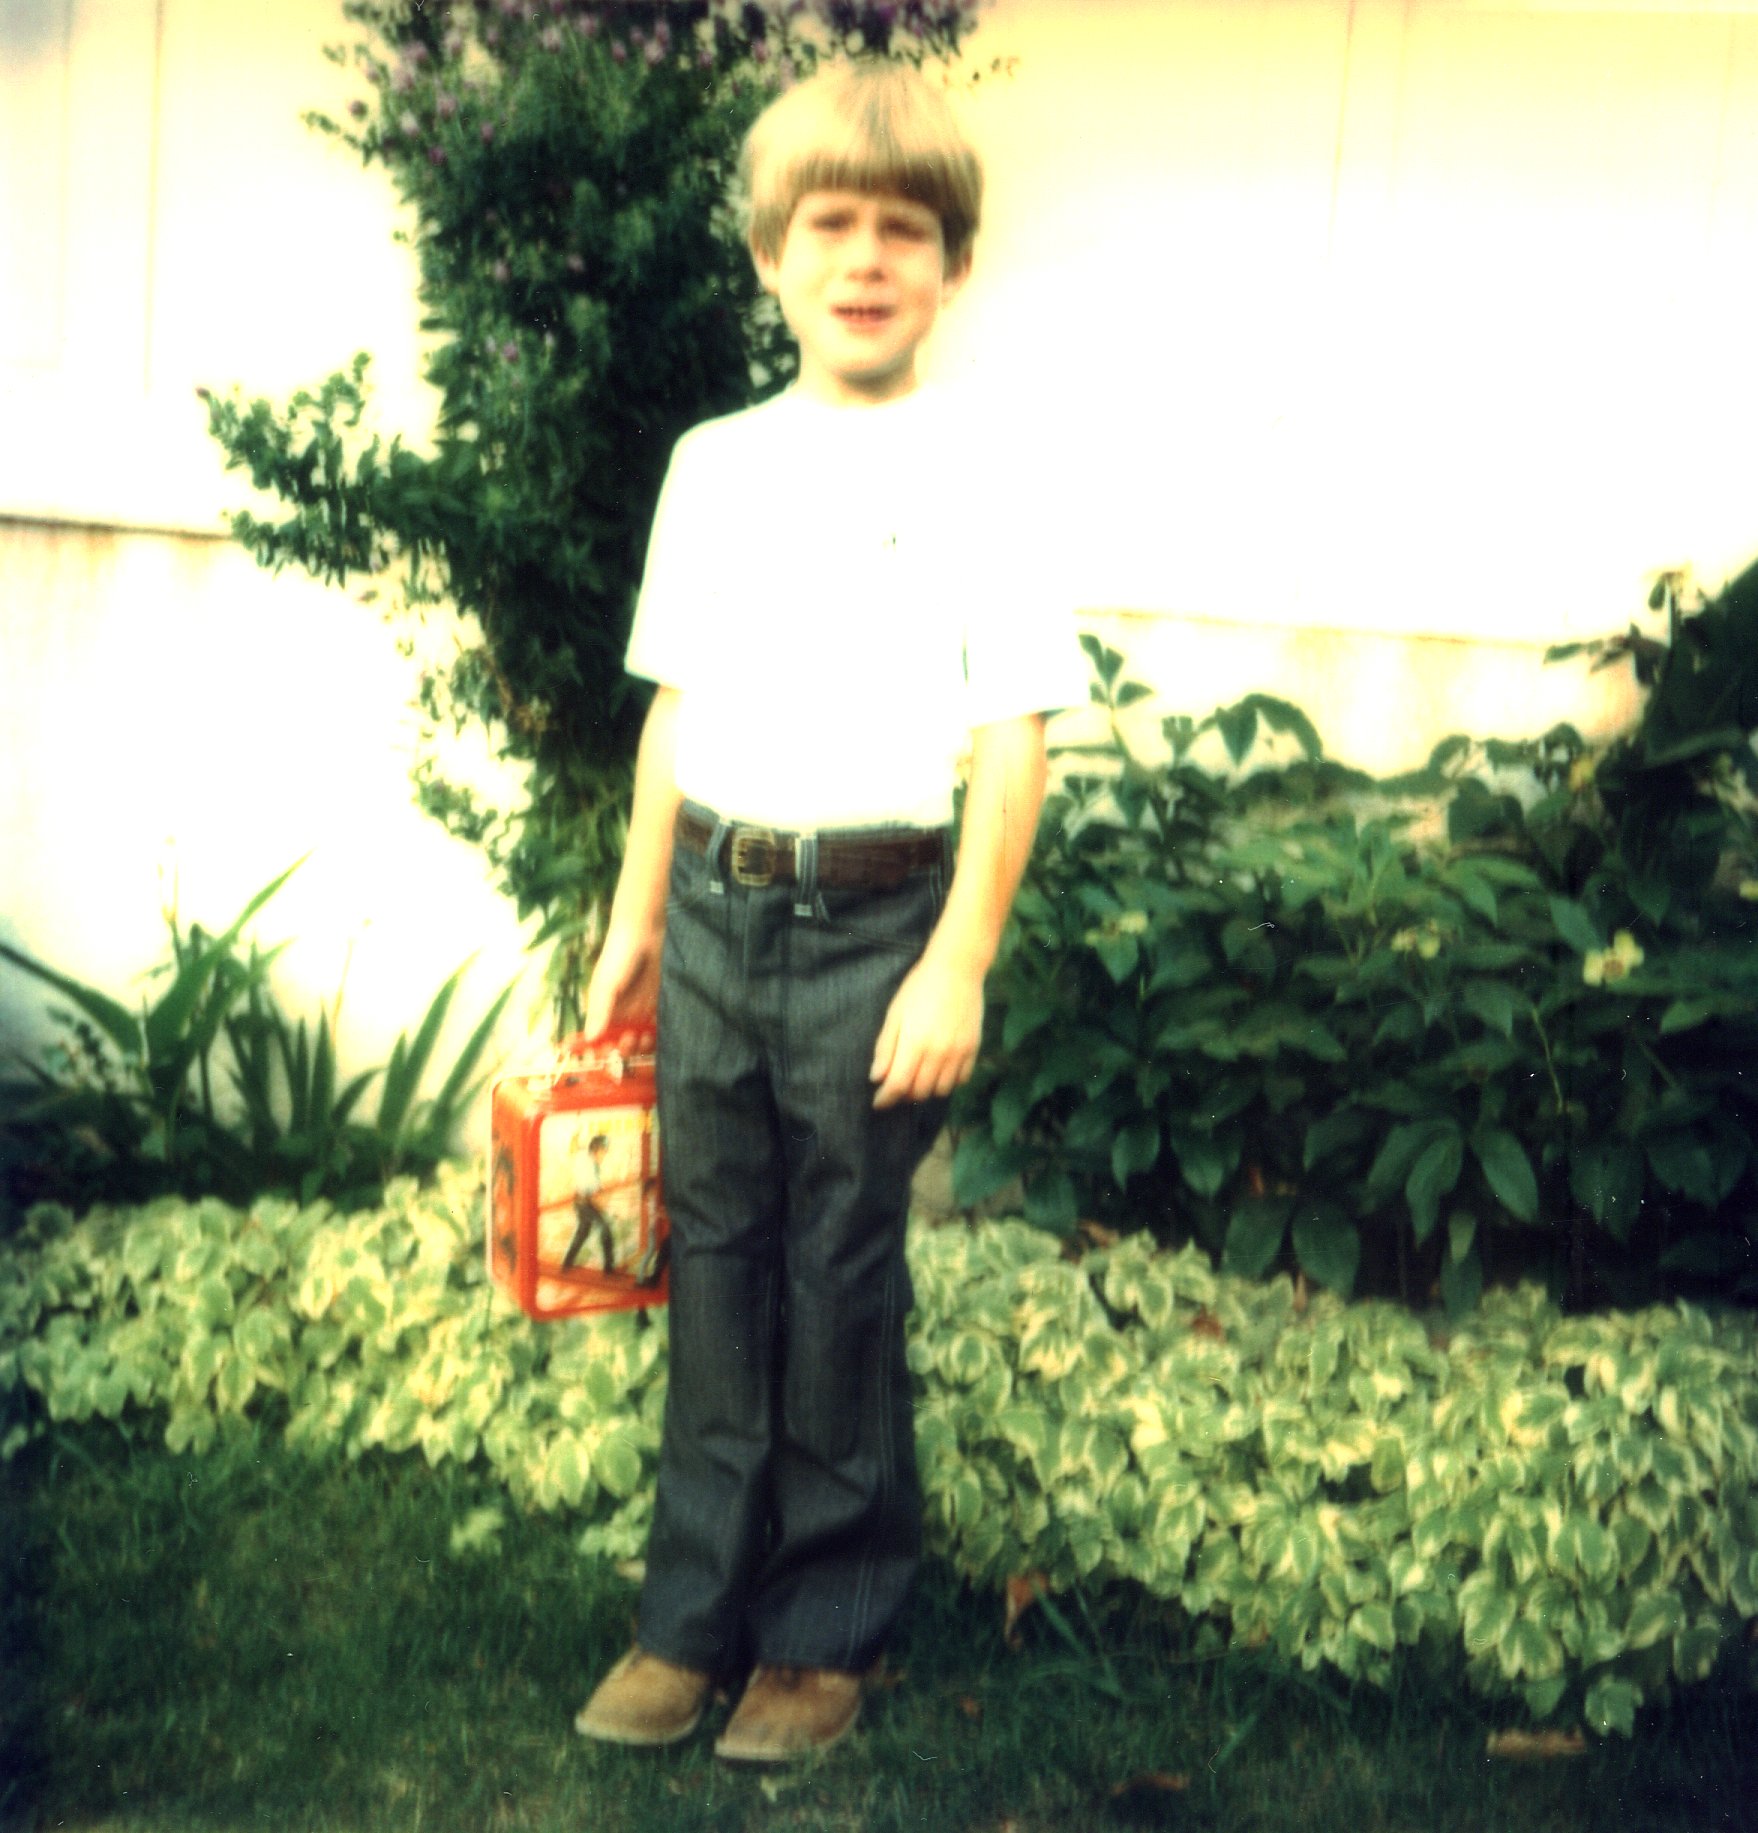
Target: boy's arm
(624,988)
(928,1043)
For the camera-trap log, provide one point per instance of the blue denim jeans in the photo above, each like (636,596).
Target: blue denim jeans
(787,1520)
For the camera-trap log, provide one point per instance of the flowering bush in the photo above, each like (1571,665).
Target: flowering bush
(565,168)
(1407,1036)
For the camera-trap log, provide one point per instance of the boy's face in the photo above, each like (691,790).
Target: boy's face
(861,277)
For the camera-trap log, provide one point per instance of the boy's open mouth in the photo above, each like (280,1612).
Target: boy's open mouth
(863,314)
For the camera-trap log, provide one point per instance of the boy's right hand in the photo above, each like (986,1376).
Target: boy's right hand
(624,988)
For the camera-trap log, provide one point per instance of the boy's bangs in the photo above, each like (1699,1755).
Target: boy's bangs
(924,177)
(872,130)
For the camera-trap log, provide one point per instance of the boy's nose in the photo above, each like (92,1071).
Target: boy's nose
(866,250)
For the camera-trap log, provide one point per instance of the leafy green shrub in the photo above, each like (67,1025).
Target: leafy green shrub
(1565,1503)
(1494,1019)
(586,298)
(209,1089)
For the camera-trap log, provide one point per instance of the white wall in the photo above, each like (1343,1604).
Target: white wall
(180,728)
(172,719)
(166,223)
(1372,345)
(1401,315)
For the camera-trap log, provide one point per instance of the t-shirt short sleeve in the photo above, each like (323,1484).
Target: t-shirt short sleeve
(675,581)
(1022,654)
(1022,648)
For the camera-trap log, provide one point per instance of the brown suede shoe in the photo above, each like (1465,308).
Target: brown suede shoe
(644,1701)
(788,1713)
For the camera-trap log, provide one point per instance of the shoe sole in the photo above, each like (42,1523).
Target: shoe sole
(729,1754)
(635,1740)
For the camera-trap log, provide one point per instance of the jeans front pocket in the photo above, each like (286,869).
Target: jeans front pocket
(897,920)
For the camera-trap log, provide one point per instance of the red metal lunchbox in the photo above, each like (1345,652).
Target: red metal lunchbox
(576,1220)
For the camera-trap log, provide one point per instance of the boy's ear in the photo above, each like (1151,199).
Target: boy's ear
(767,267)
(957,273)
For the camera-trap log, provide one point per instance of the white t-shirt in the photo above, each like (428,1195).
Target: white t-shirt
(840,595)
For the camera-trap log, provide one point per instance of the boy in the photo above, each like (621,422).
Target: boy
(828,634)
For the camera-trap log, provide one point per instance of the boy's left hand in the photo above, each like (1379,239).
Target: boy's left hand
(928,1043)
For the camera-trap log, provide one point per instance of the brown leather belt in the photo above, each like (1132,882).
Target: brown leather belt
(759,856)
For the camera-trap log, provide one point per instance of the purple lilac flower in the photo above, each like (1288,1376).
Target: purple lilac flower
(436,155)
(509,352)
(446,106)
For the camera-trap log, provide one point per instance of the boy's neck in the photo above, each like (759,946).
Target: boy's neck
(832,390)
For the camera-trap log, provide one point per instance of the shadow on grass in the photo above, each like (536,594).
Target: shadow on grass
(245,1640)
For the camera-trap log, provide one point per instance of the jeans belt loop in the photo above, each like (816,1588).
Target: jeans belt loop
(805,874)
(716,869)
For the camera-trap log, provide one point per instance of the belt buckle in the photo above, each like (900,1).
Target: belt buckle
(751,857)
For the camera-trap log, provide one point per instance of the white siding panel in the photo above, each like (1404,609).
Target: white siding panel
(33,180)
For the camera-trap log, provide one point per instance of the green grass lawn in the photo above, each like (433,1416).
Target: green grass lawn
(245,1640)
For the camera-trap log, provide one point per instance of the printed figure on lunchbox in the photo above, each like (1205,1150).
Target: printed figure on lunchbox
(577,1223)
(589,1218)
(590,1200)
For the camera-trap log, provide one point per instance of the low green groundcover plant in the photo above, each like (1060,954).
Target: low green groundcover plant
(1567,1501)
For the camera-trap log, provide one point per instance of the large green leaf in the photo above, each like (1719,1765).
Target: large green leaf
(1575,926)
(1136,1149)
(1605,1176)
(1462,1281)
(1254,1234)
(1203,1162)
(1493,1002)
(1683,1163)
(408,1065)
(1334,1133)
(170,1018)
(1508,1171)
(116,1022)
(1611,1705)
(447,1107)
(1433,1175)
(981,1166)
(1403,1146)
(1327,1244)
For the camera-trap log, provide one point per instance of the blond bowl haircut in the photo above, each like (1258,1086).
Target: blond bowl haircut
(869,127)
